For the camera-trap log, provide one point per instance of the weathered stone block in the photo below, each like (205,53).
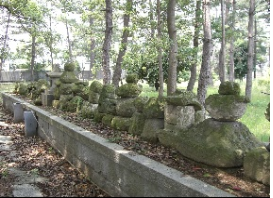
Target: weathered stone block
(257,165)
(151,128)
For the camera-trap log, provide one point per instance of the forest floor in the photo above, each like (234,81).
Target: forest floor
(70,182)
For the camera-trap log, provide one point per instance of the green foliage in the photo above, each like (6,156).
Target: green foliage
(240,61)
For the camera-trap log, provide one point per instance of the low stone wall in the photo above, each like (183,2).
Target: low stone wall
(119,172)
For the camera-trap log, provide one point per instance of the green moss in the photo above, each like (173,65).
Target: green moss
(129,90)
(69,67)
(58,83)
(96,87)
(137,125)
(98,116)
(66,89)
(75,104)
(140,103)
(108,91)
(57,93)
(184,98)
(217,100)
(120,123)
(132,78)
(56,104)
(93,97)
(229,88)
(68,77)
(154,108)
(107,119)
(38,102)
(23,89)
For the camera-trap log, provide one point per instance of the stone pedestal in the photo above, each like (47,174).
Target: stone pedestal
(47,98)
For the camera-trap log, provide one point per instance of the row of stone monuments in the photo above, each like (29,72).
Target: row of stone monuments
(177,121)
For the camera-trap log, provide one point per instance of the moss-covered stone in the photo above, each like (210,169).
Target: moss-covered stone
(132,78)
(88,110)
(226,107)
(96,87)
(154,108)
(93,97)
(140,102)
(151,127)
(42,85)
(58,83)
(184,98)
(257,165)
(107,106)
(108,91)
(120,123)
(75,104)
(70,67)
(129,90)
(57,93)
(98,116)
(229,88)
(267,112)
(23,89)
(137,125)
(125,107)
(107,119)
(68,77)
(220,144)
(66,89)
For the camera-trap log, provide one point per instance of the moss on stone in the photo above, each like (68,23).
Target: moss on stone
(96,87)
(38,102)
(184,98)
(70,67)
(66,89)
(107,119)
(23,89)
(125,107)
(132,78)
(58,83)
(56,104)
(154,108)
(137,125)
(129,90)
(108,91)
(120,123)
(57,93)
(93,97)
(98,116)
(140,102)
(75,104)
(229,88)
(68,77)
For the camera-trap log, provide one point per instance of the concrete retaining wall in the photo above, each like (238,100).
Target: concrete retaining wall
(117,171)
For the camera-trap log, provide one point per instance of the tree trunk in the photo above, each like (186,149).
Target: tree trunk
(68,41)
(4,47)
(51,42)
(117,73)
(195,45)
(204,75)
(92,46)
(172,71)
(159,36)
(107,43)
(33,54)
(255,49)
(231,51)
(250,51)
(151,16)
(222,71)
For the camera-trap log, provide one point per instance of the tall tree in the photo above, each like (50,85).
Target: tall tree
(222,71)
(250,56)
(231,48)
(172,71)
(204,75)
(197,27)
(107,43)
(123,47)
(159,37)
